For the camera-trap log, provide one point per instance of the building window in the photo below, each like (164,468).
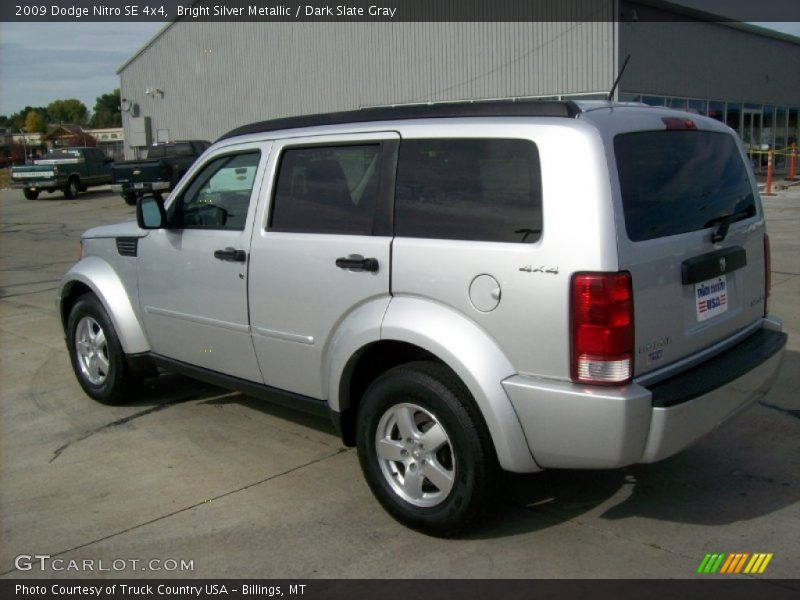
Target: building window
(768,126)
(733,117)
(794,127)
(780,134)
(654,100)
(716,110)
(677,103)
(698,107)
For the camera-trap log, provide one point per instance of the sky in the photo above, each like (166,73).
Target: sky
(42,62)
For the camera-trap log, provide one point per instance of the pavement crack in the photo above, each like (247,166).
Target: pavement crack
(310,463)
(50,289)
(118,422)
(789,411)
(11,285)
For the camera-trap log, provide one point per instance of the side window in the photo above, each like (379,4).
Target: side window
(219,195)
(469,189)
(331,189)
(183,149)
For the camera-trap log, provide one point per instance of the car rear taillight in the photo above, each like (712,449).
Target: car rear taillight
(679,123)
(601,309)
(767,274)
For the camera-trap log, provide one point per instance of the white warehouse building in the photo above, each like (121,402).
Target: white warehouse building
(197,80)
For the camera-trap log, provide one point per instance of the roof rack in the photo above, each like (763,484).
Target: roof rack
(494,108)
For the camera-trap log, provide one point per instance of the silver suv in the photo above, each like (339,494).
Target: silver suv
(463,288)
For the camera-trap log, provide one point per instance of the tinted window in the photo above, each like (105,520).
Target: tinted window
(469,189)
(330,189)
(219,195)
(181,149)
(678,181)
(154,152)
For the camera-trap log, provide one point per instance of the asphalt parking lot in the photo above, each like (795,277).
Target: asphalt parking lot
(243,489)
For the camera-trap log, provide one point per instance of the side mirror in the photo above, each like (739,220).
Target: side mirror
(150,213)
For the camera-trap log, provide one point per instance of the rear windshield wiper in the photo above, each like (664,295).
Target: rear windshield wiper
(725,221)
(526,232)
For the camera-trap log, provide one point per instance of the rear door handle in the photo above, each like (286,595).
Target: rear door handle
(354,262)
(231,255)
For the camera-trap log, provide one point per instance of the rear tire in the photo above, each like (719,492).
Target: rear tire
(30,194)
(72,189)
(96,353)
(130,199)
(425,450)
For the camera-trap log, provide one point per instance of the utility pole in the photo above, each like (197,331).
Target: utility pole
(24,146)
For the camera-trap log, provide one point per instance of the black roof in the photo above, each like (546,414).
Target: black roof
(494,108)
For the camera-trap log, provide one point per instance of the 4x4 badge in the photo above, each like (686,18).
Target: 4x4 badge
(542,269)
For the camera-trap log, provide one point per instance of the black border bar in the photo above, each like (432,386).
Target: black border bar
(397,10)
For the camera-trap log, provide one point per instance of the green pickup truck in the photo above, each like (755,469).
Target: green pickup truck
(70,170)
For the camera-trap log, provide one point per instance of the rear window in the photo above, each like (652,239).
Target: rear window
(674,182)
(164,150)
(469,189)
(62,153)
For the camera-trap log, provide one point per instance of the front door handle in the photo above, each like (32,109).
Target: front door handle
(355,262)
(231,255)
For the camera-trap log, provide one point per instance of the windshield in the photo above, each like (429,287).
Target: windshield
(674,182)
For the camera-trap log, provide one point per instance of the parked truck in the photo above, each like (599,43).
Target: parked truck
(69,170)
(158,171)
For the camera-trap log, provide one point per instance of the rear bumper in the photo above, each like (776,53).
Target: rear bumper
(688,406)
(574,426)
(40,184)
(145,187)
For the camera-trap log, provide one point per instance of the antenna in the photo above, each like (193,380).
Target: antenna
(616,81)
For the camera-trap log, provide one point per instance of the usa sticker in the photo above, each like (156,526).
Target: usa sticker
(711,297)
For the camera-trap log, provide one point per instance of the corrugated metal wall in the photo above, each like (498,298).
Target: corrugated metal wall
(709,61)
(217,76)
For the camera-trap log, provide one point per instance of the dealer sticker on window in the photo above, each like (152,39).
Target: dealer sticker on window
(711,297)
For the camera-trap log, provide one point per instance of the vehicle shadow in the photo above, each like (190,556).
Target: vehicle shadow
(170,388)
(745,470)
(59,196)
(735,474)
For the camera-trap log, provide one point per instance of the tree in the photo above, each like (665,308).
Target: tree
(68,111)
(16,121)
(106,111)
(34,123)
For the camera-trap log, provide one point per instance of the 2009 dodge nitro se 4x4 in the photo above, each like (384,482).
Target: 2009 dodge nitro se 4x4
(463,288)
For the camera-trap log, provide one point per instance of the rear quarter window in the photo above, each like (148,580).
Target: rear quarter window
(674,182)
(469,189)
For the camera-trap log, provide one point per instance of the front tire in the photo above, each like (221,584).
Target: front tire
(73,188)
(425,450)
(130,199)
(30,194)
(96,353)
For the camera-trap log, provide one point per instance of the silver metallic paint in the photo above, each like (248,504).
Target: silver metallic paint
(475,357)
(104,281)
